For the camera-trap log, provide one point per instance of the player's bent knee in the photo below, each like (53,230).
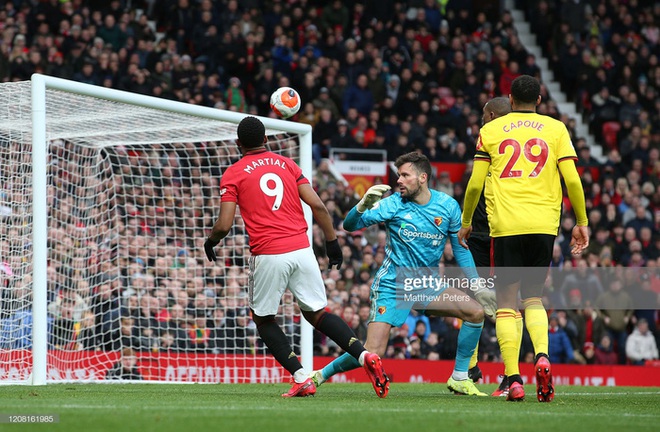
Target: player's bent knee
(259,320)
(313,316)
(474,315)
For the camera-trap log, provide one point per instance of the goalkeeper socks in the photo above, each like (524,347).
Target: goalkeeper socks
(343,363)
(337,330)
(507,336)
(536,320)
(468,339)
(279,346)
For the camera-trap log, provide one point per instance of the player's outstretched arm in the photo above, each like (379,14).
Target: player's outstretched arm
(324,220)
(580,234)
(220,228)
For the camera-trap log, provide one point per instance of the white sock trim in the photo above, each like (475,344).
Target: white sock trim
(361,358)
(300,376)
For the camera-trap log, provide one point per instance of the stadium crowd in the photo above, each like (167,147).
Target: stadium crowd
(392,75)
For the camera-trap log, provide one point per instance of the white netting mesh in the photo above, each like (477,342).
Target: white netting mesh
(132,192)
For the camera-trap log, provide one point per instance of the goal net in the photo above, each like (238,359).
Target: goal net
(102,267)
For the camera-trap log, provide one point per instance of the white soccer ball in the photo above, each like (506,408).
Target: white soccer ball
(285,102)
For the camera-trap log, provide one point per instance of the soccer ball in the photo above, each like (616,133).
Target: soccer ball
(285,102)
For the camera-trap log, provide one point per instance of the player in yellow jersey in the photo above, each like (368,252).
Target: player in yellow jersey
(524,154)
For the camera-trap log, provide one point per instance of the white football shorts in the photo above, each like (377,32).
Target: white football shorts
(270,275)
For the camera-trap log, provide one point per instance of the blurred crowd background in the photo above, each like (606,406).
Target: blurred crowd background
(393,75)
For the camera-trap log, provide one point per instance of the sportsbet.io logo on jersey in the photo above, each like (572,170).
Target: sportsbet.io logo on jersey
(409,232)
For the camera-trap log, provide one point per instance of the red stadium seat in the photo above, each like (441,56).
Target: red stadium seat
(610,131)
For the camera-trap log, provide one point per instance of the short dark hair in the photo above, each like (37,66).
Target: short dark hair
(419,162)
(525,89)
(251,132)
(499,105)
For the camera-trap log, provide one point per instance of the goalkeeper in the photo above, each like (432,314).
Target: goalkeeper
(419,221)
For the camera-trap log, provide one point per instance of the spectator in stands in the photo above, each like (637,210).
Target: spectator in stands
(343,138)
(130,337)
(15,330)
(584,280)
(588,354)
(63,335)
(359,97)
(605,353)
(363,315)
(560,348)
(86,339)
(125,368)
(641,345)
(106,308)
(200,334)
(147,325)
(616,307)
(176,326)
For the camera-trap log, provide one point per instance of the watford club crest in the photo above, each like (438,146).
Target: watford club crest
(437,220)
(381,310)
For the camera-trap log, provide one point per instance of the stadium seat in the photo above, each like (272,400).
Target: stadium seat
(610,131)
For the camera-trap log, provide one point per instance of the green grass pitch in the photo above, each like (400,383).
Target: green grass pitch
(336,407)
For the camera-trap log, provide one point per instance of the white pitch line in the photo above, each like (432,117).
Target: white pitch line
(609,394)
(338,410)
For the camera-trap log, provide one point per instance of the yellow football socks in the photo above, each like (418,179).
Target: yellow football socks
(519,326)
(506,327)
(536,320)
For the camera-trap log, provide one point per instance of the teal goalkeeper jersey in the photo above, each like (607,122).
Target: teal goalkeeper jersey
(416,234)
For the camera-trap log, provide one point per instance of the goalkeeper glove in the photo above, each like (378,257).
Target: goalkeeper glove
(373,195)
(334,253)
(487,299)
(208,248)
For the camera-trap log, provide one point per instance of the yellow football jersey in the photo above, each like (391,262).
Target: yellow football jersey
(523,193)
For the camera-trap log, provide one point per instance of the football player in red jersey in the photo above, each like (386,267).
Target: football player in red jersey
(269,188)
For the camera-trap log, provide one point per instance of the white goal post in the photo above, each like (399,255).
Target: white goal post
(113,143)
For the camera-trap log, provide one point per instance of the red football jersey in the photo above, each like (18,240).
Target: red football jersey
(265,187)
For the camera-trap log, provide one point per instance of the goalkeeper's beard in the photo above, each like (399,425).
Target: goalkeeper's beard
(411,194)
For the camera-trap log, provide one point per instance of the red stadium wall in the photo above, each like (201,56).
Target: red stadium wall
(438,371)
(455,170)
(208,368)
